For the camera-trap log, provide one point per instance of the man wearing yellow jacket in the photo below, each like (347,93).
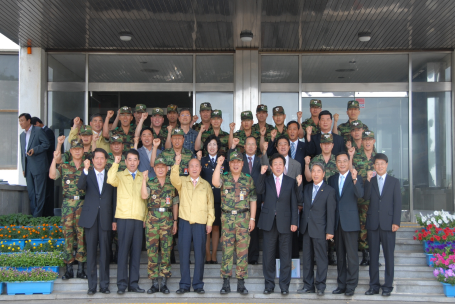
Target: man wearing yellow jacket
(197,214)
(130,216)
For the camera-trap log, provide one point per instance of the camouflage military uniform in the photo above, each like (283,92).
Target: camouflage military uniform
(158,227)
(169,158)
(73,200)
(222,136)
(203,107)
(197,127)
(128,139)
(309,122)
(162,136)
(67,157)
(240,134)
(235,196)
(344,130)
(330,167)
(256,128)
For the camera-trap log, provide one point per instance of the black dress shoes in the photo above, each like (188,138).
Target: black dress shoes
(91,292)
(120,292)
(285,292)
(386,293)
(182,291)
(105,290)
(349,292)
(268,291)
(137,289)
(320,292)
(371,292)
(253,263)
(338,291)
(199,290)
(305,290)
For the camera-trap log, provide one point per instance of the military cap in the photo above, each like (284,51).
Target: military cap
(326,138)
(315,103)
(217,113)
(157,111)
(140,108)
(368,134)
(246,115)
(261,108)
(172,108)
(177,131)
(85,130)
(115,138)
(159,161)
(75,143)
(356,124)
(125,110)
(235,156)
(278,110)
(205,106)
(353,104)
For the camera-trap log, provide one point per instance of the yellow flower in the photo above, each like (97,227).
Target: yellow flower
(34,247)
(9,247)
(13,249)
(3,245)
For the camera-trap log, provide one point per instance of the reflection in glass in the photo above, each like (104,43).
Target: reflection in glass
(289,102)
(66,67)
(279,69)
(214,69)
(223,101)
(62,108)
(431,67)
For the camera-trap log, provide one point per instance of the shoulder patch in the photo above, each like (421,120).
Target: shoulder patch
(225,173)
(247,174)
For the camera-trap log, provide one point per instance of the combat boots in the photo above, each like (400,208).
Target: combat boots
(80,270)
(226,286)
(69,274)
(365,258)
(241,287)
(155,287)
(163,287)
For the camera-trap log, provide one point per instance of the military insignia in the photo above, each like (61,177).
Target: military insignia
(225,191)
(205,104)
(115,137)
(68,181)
(327,136)
(154,196)
(367,133)
(216,112)
(125,108)
(355,123)
(177,130)
(262,107)
(157,110)
(206,165)
(140,107)
(315,101)
(352,102)
(276,109)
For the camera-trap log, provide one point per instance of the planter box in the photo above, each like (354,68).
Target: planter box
(429,256)
(47,268)
(427,244)
(44,241)
(29,288)
(449,290)
(18,242)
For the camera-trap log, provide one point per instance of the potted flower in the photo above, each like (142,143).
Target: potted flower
(440,219)
(27,260)
(36,281)
(447,248)
(443,260)
(9,248)
(447,278)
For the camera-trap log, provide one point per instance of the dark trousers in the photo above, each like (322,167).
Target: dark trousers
(36,187)
(348,260)
(314,248)
(93,236)
(129,243)
(48,209)
(197,233)
(253,248)
(271,239)
(387,239)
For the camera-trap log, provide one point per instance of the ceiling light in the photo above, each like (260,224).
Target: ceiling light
(125,36)
(246,36)
(364,36)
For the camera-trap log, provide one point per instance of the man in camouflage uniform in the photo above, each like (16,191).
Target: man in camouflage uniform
(126,130)
(247,123)
(280,129)
(363,162)
(172,116)
(261,115)
(159,130)
(344,129)
(138,110)
(205,110)
(177,148)
(356,136)
(313,121)
(86,136)
(216,121)
(73,199)
(238,205)
(326,158)
(160,224)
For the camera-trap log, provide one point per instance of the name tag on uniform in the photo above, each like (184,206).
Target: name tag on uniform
(242,195)
(185,171)
(222,169)
(168,200)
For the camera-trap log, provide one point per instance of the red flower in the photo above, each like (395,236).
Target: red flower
(415,238)
(420,238)
(420,235)
(438,237)
(432,239)
(444,237)
(417,230)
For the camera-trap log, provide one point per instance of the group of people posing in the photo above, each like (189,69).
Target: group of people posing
(304,185)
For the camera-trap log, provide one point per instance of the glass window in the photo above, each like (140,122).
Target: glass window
(141,68)
(279,69)
(8,145)
(223,101)
(289,102)
(215,69)
(431,67)
(66,67)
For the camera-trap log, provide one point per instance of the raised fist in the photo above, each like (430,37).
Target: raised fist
(348,145)
(178,159)
(56,154)
(235,142)
(299,115)
(354,173)
(169,129)
(307,160)
(299,179)
(273,134)
(145,174)
(95,137)
(144,116)
(118,159)
(136,140)
(370,175)
(263,131)
(265,146)
(309,130)
(61,139)
(195,118)
(351,152)
(220,160)
(264,169)
(336,116)
(232,126)
(109,115)
(86,164)
(202,129)
(77,122)
(199,154)
(156,142)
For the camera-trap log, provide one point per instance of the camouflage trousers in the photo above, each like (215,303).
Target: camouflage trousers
(363,209)
(73,234)
(235,236)
(158,234)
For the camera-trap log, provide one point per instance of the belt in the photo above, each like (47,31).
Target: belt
(236,211)
(161,209)
(75,197)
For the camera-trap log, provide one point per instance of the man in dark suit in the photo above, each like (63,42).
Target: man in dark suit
(35,166)
(97,218)
(383,221)
(297,148)
(349,188)
(278,220)
(313,146)
(251,166)
(317,224)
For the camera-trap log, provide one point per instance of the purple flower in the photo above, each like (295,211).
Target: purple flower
(435,272)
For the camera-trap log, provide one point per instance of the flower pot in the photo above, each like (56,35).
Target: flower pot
(449,290)
(18,242)
(38,242)
(47,268)
(429,256)
(28,288)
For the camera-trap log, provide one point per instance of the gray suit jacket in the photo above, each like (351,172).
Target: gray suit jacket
(37,163)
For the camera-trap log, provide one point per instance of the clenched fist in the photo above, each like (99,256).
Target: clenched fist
(220,160)
(348,144)
(61,139)
(145,174)
(144,116)
(156,142)
(273,134)
(178,159)
(199,154)
(354,173)
(109,114)
(235,142)
(202,130)
(351,152)
(335,117)
(264,169)
(232,126)
(307,160)
(136,139)
(86,164)
(299,179)
(118,159)
(309,130)
(169,128)
(299,115)
(370,175)
(263,131)
(77,122)
(195,118)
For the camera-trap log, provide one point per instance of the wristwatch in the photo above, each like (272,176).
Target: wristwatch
(354,179)
(252,219)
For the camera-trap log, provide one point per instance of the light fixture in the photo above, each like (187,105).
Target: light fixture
(125,36)
(246,36)
(364,36)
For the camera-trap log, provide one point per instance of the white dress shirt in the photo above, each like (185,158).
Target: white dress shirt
(252,158)
(287,163)
(27,138)
(279,177)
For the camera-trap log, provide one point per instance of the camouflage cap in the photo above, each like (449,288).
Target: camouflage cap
(326,138)
(235,156)
(261,108)
(217,113)
(246,115)
(160,161)
(140,108)
(315,103)
(353,104)
(75,143)
(157,111)
(177,131)
(278,110)
(172,108)
(368,134)
(86,130)
(205,106)
(125,110)
(356,124)
(115,138)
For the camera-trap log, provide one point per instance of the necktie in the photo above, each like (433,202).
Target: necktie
(381,184)
(285,170)
(194,183)
(100,181)
(341,183)
(315,191)
(250,163)
(213,161)
(134,175)
(293,150)
(278,186)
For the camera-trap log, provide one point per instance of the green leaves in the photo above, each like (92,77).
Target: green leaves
(20,219)
(35,275)
(29,259)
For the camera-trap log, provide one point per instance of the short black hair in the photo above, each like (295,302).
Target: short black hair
(96,115)
(145,129)
(381,156)
(26,115)
(283,137)
(209,139)
(293,122)
(325,112)
(185,109)
(275,156)
(101,150)
(134,152)
(35,120)
(342,153)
